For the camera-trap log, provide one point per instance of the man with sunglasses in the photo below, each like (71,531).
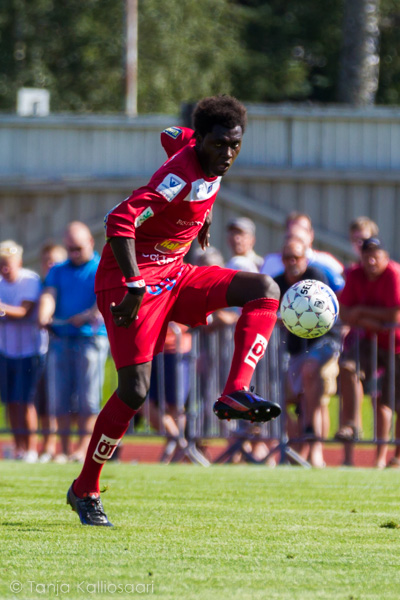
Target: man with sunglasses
(313,364)
(78,343)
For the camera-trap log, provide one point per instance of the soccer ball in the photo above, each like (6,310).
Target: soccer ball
(309,308)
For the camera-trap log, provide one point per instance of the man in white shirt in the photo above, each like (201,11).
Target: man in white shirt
(22,347)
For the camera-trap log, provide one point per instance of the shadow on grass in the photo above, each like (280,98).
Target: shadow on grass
(21,526)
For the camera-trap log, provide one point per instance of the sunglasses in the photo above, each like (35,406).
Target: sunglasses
(75,248)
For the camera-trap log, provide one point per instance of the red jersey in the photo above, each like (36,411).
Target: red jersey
(164,217)
(174,139)
(384,292)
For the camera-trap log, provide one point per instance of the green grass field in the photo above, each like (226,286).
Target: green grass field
(184,532)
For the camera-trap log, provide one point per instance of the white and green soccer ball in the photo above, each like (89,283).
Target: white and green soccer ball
(309,308)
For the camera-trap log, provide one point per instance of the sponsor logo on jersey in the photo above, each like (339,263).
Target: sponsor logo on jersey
(256,351)
(170,187)
(104,449)
(173,132)
(170,247)
(189,223)
(160,259)
(202,190)
(144,215)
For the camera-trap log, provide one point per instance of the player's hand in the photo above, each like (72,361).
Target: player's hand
(126,311)
(204,235)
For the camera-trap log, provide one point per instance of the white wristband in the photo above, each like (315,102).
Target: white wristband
(136,284)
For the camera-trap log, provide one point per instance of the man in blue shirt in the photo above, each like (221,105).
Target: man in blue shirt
(78,344)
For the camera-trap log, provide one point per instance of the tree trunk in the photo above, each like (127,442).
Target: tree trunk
(359,64)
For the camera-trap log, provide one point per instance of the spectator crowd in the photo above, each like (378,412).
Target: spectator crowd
(54,347)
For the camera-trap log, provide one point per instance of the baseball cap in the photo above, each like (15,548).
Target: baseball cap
(242,223)
(372,243)
(10,248)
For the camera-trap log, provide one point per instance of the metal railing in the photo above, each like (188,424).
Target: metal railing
(209,363)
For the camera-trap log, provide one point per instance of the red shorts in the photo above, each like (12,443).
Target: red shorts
(188,297)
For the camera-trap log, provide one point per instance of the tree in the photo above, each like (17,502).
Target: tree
(289,50)
(186,49)
(259,50)
(74,49)
(359,64)
(389,72)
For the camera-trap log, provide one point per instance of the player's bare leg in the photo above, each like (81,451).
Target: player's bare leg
(259,296)
(313,396)
(111,425)
(86,425)
(352,393)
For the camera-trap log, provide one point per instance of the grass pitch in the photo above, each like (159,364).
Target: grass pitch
(185,532)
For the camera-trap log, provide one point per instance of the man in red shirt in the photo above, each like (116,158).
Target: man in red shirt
(370,300)
(142,283)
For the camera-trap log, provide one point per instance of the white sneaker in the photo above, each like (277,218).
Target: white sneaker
(46,457)
(61,459)
(30,457)
(76,457)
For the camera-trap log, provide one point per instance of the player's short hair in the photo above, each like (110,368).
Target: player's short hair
(363,222)
(10,248)
(222,110)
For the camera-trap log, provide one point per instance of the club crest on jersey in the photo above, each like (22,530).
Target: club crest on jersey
(144,215)
(256,351)
(202,190)
(170,247)
(173,132)
(104,449)
(170,187)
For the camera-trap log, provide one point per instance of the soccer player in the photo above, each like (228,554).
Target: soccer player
(142,283)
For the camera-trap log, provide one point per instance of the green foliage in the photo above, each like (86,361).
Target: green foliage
(73,49)
(259,50)
(389,77)
(185,51)
(289,50)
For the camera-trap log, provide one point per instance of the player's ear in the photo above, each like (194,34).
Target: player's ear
(198,137)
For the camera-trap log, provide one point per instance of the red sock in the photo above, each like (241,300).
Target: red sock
(252,334)
(110,427)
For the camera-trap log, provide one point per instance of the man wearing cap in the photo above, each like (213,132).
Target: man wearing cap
(370,300)
(22,347)
(241,240)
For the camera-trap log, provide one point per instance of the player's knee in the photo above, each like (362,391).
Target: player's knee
(133,386)
(131,398)
(265,287)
